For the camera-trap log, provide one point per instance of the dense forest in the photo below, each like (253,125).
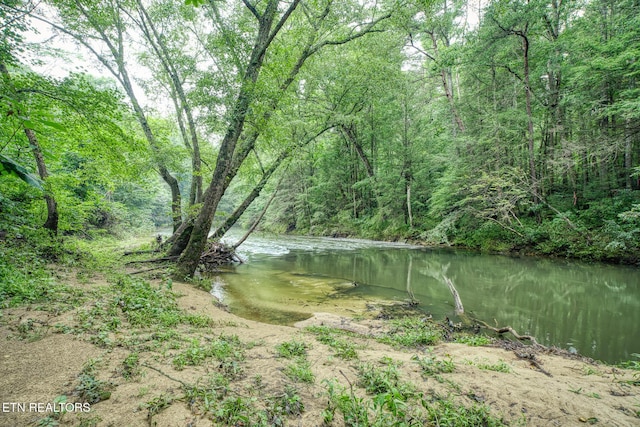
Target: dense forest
(506,125)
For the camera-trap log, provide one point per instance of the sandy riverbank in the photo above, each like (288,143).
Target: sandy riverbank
(41,359)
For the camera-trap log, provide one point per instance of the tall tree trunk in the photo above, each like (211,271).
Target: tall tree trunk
(172,182)
(530,133)
(350,133)
(230,158)
(407,172)
(445,74)
(51,223)
(409,211)
(628,156)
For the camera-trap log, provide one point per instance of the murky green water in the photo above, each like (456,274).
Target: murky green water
(591,308)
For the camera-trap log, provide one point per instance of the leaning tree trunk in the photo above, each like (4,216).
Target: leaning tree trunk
(190,257)
(51,223)
(230,159)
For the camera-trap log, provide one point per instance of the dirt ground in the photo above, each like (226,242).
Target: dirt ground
(40,366)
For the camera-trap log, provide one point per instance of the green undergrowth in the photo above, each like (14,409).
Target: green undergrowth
(340,341)
(26,279)
(413,331)
(137,306)
(393,406)
(227,350)
(382,395)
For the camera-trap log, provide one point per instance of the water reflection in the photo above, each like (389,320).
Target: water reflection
(593,308)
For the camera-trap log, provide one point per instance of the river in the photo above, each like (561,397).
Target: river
(590,308)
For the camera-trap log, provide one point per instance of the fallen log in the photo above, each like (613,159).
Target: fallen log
(214,255)
(509,329)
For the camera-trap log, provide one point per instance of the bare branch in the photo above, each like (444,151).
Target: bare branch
(252,9)
(422,51)
(368,29)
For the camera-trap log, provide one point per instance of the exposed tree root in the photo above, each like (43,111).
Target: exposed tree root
(217,254)
(184,384)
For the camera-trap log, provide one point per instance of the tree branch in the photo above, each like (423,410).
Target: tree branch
(282,20)
(422,51)
(252,9)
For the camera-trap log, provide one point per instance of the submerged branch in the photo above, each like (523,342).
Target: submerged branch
(456,297)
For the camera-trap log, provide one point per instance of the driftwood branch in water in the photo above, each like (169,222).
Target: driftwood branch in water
(257,221)
(509,329)
(522,355)
(456,297)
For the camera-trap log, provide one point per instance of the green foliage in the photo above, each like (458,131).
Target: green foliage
(136,304)
(144,305)
(79,123)
(24,276)
(380,380)
(431,366)
(234,411)
(287,404)
(501,366)
(446,413)
(473,340)
(89,388)
(292,349)
(300,370)
(354,409)
(157,405)
(398,406)
(8,166)
(131,366)
(632,364)
(337,340)
(228,350)
(412,332)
